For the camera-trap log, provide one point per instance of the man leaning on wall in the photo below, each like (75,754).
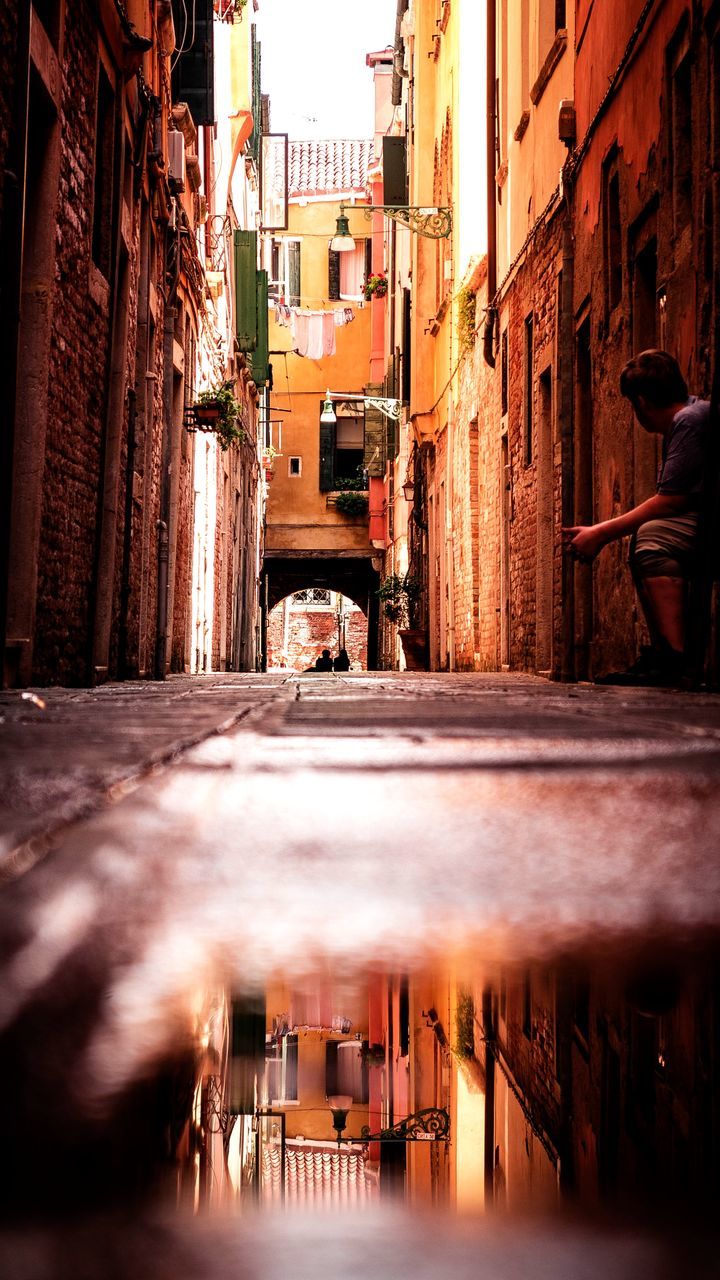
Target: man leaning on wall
(664,529)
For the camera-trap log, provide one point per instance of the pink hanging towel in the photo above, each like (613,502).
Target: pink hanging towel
(328,333)
(315,335)
(302,332)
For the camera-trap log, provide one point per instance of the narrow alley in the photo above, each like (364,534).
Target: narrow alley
(359,639)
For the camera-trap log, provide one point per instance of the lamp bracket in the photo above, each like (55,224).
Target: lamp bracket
(436,223)
(391,408)
(430,1125)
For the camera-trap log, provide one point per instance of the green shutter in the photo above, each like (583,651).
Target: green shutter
(333,275)
(394,170)
(376,426)
(261,353)
(246,312)
(293,281)
(327,454)
(256,60)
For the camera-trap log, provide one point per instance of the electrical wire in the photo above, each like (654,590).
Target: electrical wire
(182,47)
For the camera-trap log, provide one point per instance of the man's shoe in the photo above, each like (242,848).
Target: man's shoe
(652,670)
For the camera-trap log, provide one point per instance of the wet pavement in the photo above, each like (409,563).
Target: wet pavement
(544,857)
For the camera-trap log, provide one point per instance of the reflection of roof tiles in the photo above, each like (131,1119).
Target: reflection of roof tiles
(319,168)
(318,1176)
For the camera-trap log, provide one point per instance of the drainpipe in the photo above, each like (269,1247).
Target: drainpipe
(489,1145)
(450,534)
(114,423)
(12,233)
(567,442)
(490,142)
(163,524)
(123,638)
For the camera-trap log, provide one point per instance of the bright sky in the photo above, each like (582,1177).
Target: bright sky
(313,64)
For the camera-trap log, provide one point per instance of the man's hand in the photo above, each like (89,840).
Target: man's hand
(584,541)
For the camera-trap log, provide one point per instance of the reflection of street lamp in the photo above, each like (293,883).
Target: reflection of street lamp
(340,1104)
(436,223)
(432,1124)
(391,408)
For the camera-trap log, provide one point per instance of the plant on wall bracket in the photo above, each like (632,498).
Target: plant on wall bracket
(217,410)
(351,504)
(466,318)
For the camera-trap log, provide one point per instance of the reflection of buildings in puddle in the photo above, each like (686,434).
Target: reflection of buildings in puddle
(558,1083)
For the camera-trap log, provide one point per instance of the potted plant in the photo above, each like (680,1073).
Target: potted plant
(399,593)
(351,503)
(373,1055)
(375,286)
(217,410)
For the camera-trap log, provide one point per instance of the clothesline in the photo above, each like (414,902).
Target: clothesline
(313,332)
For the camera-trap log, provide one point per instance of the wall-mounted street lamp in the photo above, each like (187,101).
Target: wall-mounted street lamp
(433,222)
(409,490)
(432,1124)
(391,408)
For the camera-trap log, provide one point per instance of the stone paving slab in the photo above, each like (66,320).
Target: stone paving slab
(63,750)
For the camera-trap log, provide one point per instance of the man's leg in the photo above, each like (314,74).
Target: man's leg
(663,599)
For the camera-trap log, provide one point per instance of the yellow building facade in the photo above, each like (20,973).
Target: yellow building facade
(319,339)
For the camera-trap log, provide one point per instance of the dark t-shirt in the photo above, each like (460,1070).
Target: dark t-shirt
(685,451)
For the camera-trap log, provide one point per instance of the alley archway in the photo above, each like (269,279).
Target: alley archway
(352,577)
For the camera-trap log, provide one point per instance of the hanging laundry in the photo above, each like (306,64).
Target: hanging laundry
(315,335)
(301,332)
(343,316)
(328,334)
(313,332)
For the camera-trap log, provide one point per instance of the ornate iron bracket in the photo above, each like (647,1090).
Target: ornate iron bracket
(430,1125)
(436,223)
(391,408)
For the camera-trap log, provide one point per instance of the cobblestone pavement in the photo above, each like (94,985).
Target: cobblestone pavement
(155,836)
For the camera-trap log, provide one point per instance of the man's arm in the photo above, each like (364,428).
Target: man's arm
(588,540)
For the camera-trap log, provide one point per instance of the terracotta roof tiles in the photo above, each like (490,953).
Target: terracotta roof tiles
(320,168)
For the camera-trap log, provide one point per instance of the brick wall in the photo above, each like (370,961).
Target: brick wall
(310,631)
(77,381)
(532,293)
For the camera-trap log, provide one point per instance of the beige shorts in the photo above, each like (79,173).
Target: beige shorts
(665,548)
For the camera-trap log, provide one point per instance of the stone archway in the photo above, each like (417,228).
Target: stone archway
(351,575)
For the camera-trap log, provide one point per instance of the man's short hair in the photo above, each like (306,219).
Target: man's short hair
(656,376)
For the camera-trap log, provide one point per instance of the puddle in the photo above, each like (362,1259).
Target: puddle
(571,1090)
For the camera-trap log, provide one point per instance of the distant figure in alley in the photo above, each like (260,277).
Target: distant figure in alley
(342,662)
(664,528)
(324,662)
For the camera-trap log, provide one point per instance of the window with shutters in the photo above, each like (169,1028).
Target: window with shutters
(284,284)
(346,1070)
(613,233)
(680,130)
(349,446)
(342,446)
(104,157)
(192,73)
(348,272)
(281,1069)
